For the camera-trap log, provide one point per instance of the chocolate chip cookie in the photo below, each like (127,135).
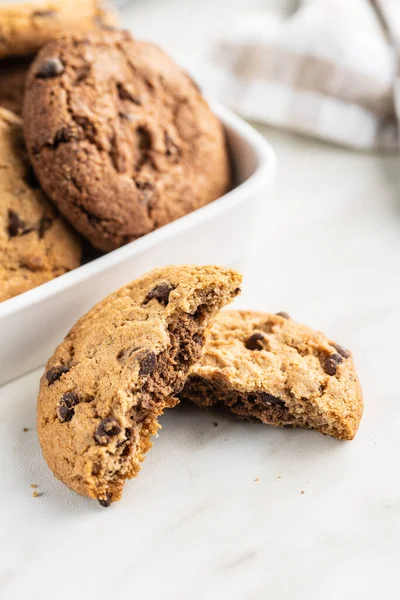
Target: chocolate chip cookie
(36,244)
(120,137)
(118,368)
(26,27)
(268,368)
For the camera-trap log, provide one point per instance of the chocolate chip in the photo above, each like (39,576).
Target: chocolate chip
(16,225)
(52,67)
(148,363)
(66,406)
(332,363)
(197,338)
(161,293)
(62,136)
(264,398)
(342,351)
(55,373)
(44,225)
(283,314)
(108,428)
(254,342)
(106,501)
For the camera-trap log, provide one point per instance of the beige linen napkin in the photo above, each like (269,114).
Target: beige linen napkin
(328,70)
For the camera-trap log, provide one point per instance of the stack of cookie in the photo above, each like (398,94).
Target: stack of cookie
(160,339)
(119,139)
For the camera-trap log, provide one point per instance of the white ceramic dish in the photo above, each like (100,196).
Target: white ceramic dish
(33,323)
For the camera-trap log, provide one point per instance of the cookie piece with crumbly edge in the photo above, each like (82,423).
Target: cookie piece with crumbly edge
(36,244)
(119,368)
(120,136)
(26,27)
(268,368)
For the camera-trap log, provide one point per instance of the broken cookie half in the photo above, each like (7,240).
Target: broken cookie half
(268,368)
(118,368)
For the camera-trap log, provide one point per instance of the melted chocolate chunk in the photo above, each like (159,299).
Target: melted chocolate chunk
(16,225)
(107,429)
(332,362)
(254,341)
(197,338)
(52,67)
(62,136)
(264,398)
(161,293)
(106,501)
(66,406)
(148,363)
(283,314)
(342,351)
(55,373)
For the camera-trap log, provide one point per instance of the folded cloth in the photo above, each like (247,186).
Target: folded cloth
(328,70)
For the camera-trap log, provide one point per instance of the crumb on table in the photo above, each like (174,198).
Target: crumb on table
(33,485)
(26,429)
(257,479)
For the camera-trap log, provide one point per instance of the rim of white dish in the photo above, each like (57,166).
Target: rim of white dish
(263,174)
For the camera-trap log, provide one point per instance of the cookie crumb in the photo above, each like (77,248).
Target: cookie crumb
(279,477)
(36,494)
(26,429)
(302,492)
(33,485)
(257,479)
(215,423)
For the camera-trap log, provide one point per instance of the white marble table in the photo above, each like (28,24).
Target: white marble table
(218,512)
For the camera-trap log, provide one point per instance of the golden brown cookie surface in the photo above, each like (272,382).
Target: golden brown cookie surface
(269,368)
(120,137)
(118,368)
(36,244)
(26,27)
